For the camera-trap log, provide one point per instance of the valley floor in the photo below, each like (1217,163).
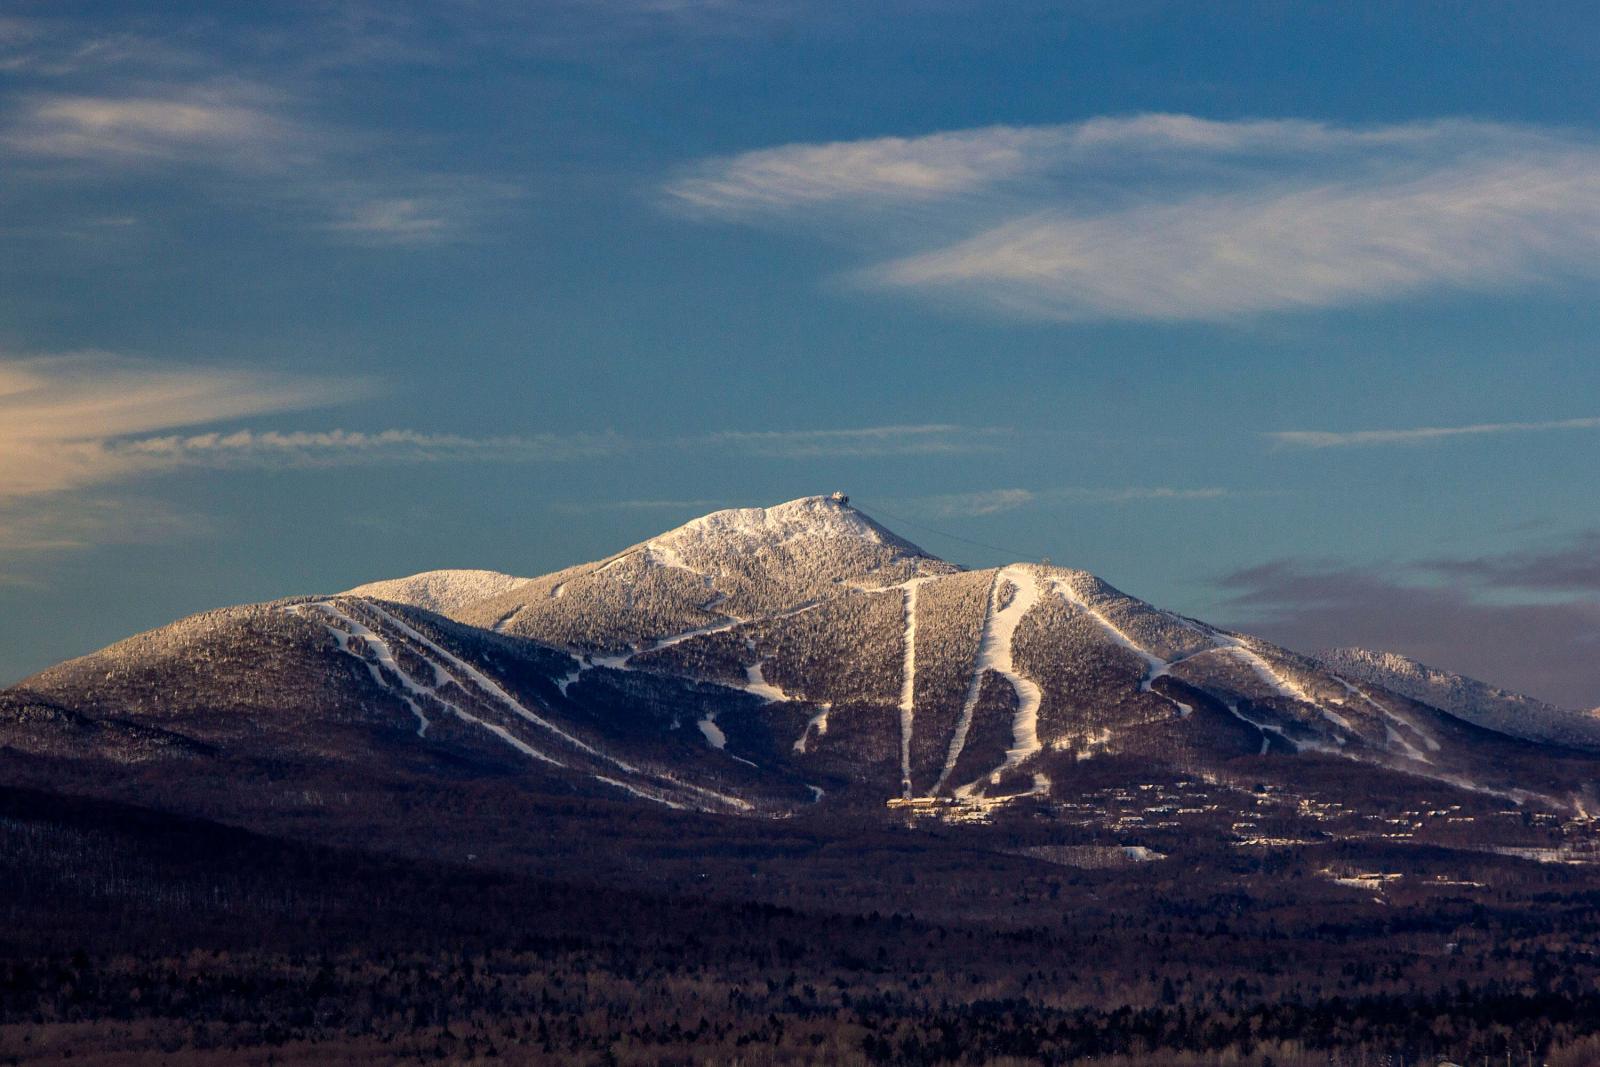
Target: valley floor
(130,936)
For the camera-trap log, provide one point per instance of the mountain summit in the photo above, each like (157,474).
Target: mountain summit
(742,563)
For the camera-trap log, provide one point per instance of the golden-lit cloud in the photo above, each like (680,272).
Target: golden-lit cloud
(65,420)
(76,430)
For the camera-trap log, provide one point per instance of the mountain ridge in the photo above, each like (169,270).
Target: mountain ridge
(1476,701)
(753,662)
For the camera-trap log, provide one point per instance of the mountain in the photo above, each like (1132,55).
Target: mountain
(1467,698)
(758,663)
(778,779)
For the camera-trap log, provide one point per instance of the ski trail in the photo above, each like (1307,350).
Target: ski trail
(756,684)
(908,683)
(974,686)
(712,732)
(385,655)
(1395,737)
(817,722)
(1025,723)
(614,561)
(1262,728)
(571,676)
(1155,666)
(1389,717)
(994,654)
(663,555)
(625,787)
(1285,686)
(623,662)
(489,686)
(722,798)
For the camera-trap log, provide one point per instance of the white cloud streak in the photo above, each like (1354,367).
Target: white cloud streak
(1175,217)
(1418,435)
(326,447)
(904,440)
(427,209)
(587,507)
(997,501)
(228,125)
(70,422)
(1219,256)
(75,426)
(250,145)
(971,505)
(91,521)
(941,164)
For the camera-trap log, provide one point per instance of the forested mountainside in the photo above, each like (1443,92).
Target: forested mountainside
(1467,698)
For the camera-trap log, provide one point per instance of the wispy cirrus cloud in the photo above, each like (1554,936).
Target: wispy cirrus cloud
(95,112)
(1418,435)
(88,521)
(896,440)
(330,447)
(427,209)
(47,47)
(270,155)
(589,507)
(79,420)
(971,505)
(229,123)
(1176,217)
(997,501)
(942,164)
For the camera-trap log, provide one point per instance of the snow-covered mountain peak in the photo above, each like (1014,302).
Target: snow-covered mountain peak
(818,518)
(738,564)
(447,592)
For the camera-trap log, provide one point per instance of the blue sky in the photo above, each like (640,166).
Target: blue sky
(1279,315)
